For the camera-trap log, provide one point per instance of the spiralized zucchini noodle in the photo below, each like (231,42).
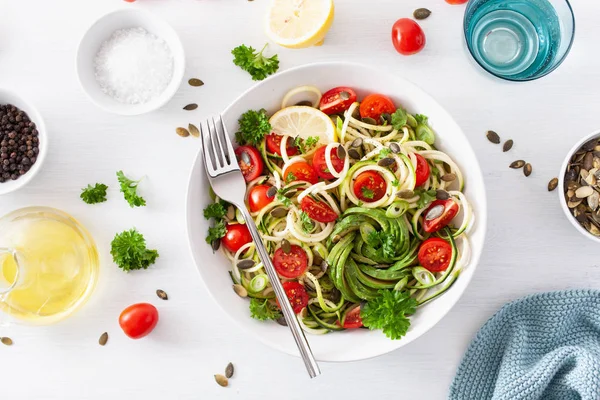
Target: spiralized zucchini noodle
(375,241)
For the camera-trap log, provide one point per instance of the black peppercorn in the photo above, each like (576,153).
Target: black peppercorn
(19,142)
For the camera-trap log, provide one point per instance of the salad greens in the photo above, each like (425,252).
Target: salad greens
(94,194)
(389,312)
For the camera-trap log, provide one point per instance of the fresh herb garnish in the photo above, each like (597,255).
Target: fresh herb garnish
(399,118)
(367,193)
(421,119)
(425,197)
(283,200)
(216,232)
(129,190)
(305,145)
(255,63)
(388,312)
(290,177)
(94,194)
(423,131)
(383,240)
(254,125)
(383,153)
(307,224)
(263,310)
(129,251)
(395,183)
(215,210)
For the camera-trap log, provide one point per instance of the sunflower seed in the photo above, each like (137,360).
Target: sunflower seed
(572,203)
(442,195)
(229,370)
(195,82)
(281,321)
(246,264)
(245,158)
(552,184)
(341,152)
(527,169)
(240,290)
(279,212)
(354,154)
(324,266)
(272,191)
(385,119)
(434,212)
(162,294)
(286,246)
(221,380)
(182,132)
(216,244)
(593,200)
(395,147)
(517,164)
(507,145)
(193,130)
(304,103)
(357,142)
(448,177)
(103,339)
(191,107)
(584,192)
(421,13)
(406,194)
(588,161)
(368,120)
(6,341)
(386,162)
(344,95)
(589,146)
(493,137)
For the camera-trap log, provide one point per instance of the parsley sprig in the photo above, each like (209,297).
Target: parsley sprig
(129,252)
(129,190)
(388,312)
(425,197)
(263,310)
(94,194)
(255,63)
(254,125)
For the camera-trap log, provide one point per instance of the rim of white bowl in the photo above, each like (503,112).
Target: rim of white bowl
(166,96)
(35,116)
(561,183)
(481,224)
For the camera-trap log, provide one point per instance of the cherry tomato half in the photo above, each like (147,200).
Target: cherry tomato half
(292,264)
(369,186)
(236,236)
(250,162)
(374,105)
(320,165)
(138,320)
(318,210)
(439,214)
(456,1)
(353,319)
(435,254)
(337,100)
(274,145)
(422,171)
(296,295)
(257,198)
(408,37)
(300,171)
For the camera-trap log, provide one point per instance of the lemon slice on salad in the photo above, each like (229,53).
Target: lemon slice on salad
(304,121)
(299,23)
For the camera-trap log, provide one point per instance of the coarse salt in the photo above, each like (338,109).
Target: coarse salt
(134,66)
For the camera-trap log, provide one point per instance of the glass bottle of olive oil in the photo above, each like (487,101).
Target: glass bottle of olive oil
(48,264)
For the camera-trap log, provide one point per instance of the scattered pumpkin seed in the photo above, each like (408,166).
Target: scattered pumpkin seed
(245,158)
(272,191)
(517,164)
(279,212)
(191,107)
(341,152)
(421,13)
(221,380)
(588,161)
(6,341)
(386,162)
(229,371)
(507,145)
(281,321)
(584,192)
(448,177)
(434,212)
(406,194)
(552,184)
(345,95)
(395,147)
(493,137)
(369,120)
(246,263)
(442,195)
(286,246)
(182,132)
(571,175)
(357,142)
(240,290)
(324,265)
(354,154)
(385,119)
(162,294)
(593,201)
(581,218)
(103,339)
(230,212)
(589,146)
(195,82)
(194,130)
(216,244)
(527,169)
(304,103)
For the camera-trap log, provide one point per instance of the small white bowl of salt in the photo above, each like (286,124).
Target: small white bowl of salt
(130,62)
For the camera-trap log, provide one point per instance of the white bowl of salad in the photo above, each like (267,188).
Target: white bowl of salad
(370,201)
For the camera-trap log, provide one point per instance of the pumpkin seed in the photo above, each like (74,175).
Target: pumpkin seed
(354,154)
(240,290)
(341,152)
(386,162)
(421,13)
(507,145)
(357,142)
(182,132)
(552,184)
(434,212)
(588,161)
(406,194)
(369,120)
(279,212)
(584,192)
(281,321)
(162,294)
(517,164)
(229,371)
(493,137)
(195,82)
(324,266)
(230,212)
(527,169)
(193,130)
(317,259)
(594,230)
(216,244)
(221,380)
(103,339)
(448,177)
(246,263)
(286,246)
(191,107)
(272,191)
(571,175)
(572,203)
(581,218)
(385,119)
(245,158)
(345,95)
(395,147)
(593,201)
(304,103)
(589,146)
(442,195)
(6,341)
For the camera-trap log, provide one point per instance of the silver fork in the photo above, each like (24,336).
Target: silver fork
(228,183)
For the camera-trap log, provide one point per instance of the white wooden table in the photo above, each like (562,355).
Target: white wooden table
(530,247)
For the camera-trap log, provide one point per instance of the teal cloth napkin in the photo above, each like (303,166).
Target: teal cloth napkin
(544,346)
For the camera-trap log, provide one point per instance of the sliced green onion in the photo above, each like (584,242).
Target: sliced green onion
(423,276)
(401,283)
(258,283)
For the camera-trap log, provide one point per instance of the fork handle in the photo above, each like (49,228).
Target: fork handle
(288,312)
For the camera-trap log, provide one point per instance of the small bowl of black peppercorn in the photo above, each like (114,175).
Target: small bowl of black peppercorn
(23,142)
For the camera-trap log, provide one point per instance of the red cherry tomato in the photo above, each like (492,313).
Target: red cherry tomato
(353,319)
(257,198)
(408,37)
(337,100)
(318,210)
(296,295)
(435,254)
(300,171)
(369,186)
(292,264)
(374,105)
(320,165)
(236,236)
(274,145)
(422,171)
(130,1)
(138,320)
(433,220)
(456,1)
(251,170)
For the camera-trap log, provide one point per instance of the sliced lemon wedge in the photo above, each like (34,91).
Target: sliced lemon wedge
(299,23)
(303,122)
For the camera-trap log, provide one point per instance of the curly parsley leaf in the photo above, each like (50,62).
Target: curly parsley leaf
(129,252)
(129,190)
(94,194)
(216,232)
(384,241)
(383,153)
(263,310)
(283,200)
(254,125)
(305,145)
(290,177)
(389,312)
(215,210)
(255,63)
(399,118)
(421,119)
(367,193)
(425,197)
(307,224)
